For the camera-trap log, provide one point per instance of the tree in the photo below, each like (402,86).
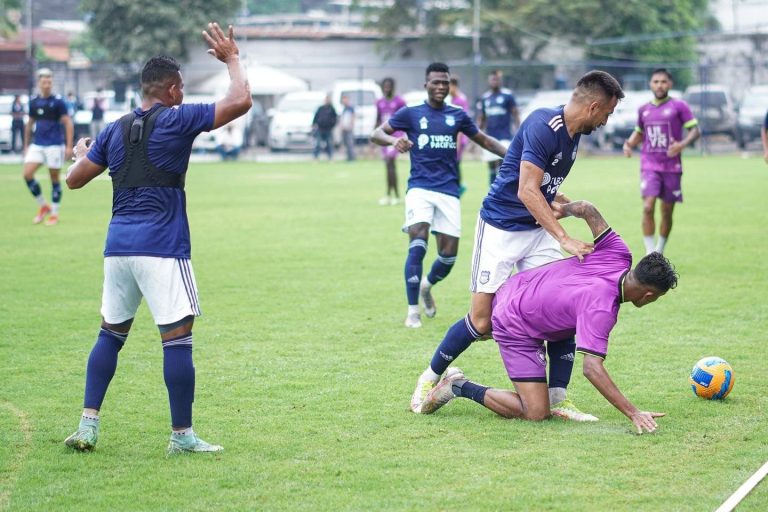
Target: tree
(521,29)
(9,13)
(132,31)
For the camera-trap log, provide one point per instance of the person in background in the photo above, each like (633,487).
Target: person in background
(17,124)
(347,123)
(228,143)
(322,124)
(498,114)
(97,113)
(386,106)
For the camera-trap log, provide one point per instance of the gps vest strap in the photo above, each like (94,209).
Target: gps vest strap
(137,170)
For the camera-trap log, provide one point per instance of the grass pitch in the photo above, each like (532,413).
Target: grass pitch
(304,369)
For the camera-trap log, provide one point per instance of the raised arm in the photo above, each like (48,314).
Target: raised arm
(587,211)
(595,372)
(529,192)
(238,98)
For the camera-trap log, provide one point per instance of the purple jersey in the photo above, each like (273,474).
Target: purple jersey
(555,301)
(661,124)
(386,107)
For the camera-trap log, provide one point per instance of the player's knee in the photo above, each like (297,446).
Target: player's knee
(481,322)
(647,209)
(538,415)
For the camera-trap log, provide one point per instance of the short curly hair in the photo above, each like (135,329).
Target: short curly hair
(655,270)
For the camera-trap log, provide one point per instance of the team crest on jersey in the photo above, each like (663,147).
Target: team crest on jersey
(499,99)
(450,120)
(485,276)
(423,123)
(546,179)
(557,159)
(422,140)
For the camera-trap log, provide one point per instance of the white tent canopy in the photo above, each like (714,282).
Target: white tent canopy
(264,81)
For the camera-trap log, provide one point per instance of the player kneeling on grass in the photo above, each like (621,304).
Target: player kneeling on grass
(554,302)
(148,247)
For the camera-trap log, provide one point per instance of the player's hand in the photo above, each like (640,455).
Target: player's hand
(81,148)
(644,421)
(576,247)
(223,46)
(403,145)
(557,210)
(627,150)
(674,149)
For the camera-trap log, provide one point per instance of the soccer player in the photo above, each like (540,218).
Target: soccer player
(432,201)
(148,249)
(554,302)
(499,111)
(386,106)
(50,144)
(517,229)
(659,127)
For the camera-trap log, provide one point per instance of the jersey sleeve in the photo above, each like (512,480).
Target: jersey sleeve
(511,103)
(466,125)
(61,108)
(539,142)
(400,120)
(686,116)
(194,118)
(593,326)
(640,127)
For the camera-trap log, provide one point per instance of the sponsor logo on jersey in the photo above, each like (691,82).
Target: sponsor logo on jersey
(422,140)
(546,179)
(556,123)
(557,159)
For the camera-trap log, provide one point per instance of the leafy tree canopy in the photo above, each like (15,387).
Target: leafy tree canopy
(132,31)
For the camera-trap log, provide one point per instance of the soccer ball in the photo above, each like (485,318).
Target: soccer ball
(712,378)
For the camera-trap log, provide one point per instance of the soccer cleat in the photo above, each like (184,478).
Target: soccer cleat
(442,393)
(384,201)
(394,201)
(425,292)
(52,220)
(84,439)
(190,443)
(41,214)
(568,411)
(413,320)
(424,386)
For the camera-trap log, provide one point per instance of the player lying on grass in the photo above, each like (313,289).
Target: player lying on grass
(554,302)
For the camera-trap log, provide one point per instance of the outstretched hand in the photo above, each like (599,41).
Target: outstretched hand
(645,421)
(223,46)
(576,247)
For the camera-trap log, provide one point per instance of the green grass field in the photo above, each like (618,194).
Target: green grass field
(304,370)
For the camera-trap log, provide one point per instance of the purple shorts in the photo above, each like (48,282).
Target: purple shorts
(389,152)
(664,185)
(524,359)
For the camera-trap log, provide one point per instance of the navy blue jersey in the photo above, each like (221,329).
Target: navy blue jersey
(765,123)
(47,113)
(497,109)
(152,221)
(542,140)
(433,155)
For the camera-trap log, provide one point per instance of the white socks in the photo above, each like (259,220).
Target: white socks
(429,374)
(556,395)
(650,244)
(660,244)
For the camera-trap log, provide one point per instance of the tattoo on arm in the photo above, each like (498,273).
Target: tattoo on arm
(587,211)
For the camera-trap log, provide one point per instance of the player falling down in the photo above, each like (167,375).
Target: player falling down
(554,302)
(432,201)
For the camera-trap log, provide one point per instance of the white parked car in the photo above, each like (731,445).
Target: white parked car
(545,99)
(291,120)
(751,114)
(362,95)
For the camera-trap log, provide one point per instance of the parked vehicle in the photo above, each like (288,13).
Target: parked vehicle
(362,95)
(291,120)
(415,97)
(713,107)
(545,99)
(113,110)
(751,114)
(258,125)
(624,120)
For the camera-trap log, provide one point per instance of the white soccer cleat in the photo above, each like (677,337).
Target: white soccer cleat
(384,201)
(442,393)
(423,386)
(413,320)
(425,292)
(568,411)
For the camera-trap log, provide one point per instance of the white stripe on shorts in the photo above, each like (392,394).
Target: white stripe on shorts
(189,285)
(478,244)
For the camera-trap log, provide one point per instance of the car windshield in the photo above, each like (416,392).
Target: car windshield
(299,104)
(707,99)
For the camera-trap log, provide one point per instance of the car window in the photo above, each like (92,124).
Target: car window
(359,97)
(755,101)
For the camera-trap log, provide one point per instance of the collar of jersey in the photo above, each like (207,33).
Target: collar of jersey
(660,102)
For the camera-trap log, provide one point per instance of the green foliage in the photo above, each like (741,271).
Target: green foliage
(521,29)
(133,30)
(9,9)
(304,370)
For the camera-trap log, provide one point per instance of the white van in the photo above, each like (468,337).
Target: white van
(362,95)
